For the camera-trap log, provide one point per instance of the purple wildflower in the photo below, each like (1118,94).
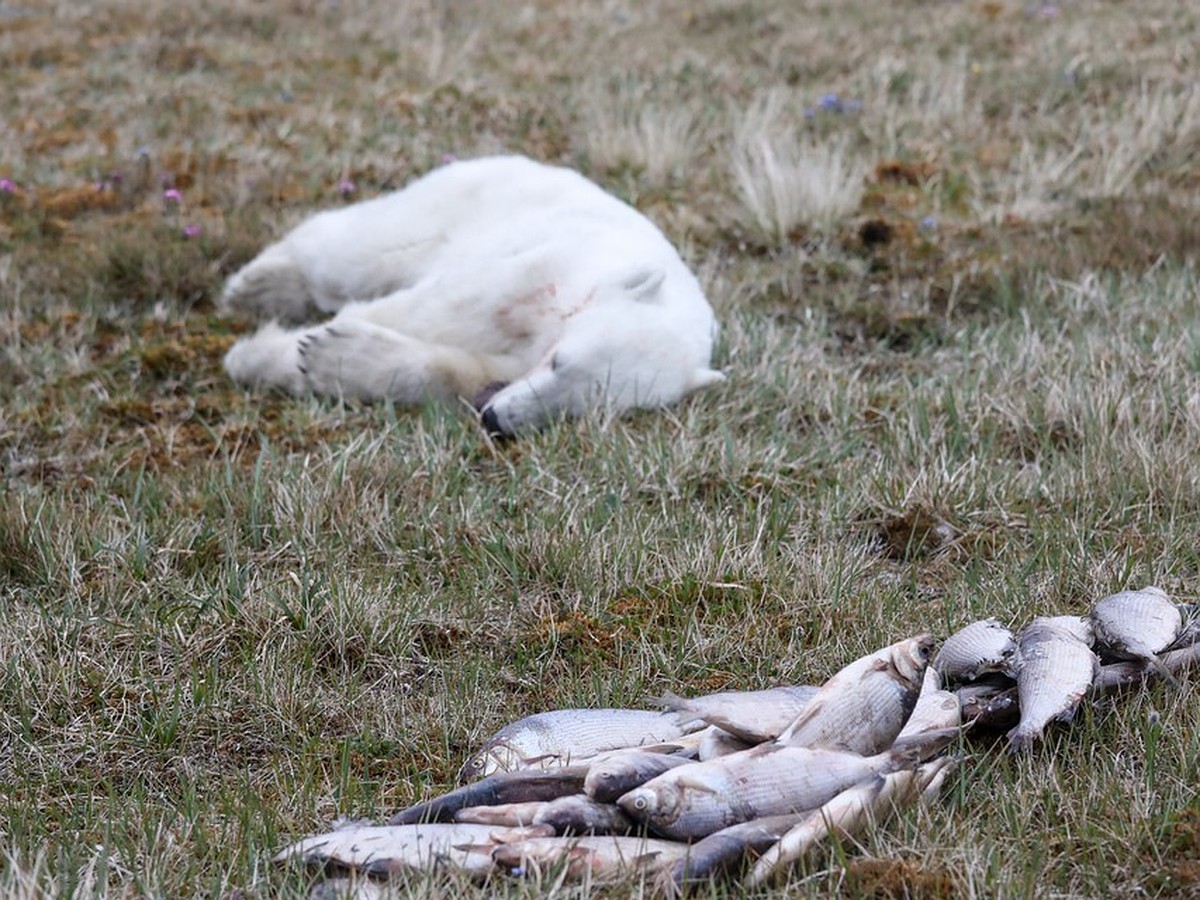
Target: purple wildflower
(929,223)
(191,231)
(346,187)
(7,186)
(448,158)
(173,195)
(830,103)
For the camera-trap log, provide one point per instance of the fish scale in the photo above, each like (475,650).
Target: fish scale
(1136,625)
(387,849)
(976,649)
(568,735)
(723,850)
(600,857)
(752,716)
(695,800)
(863,707)
(869,801)
(610,778)
(1057,668)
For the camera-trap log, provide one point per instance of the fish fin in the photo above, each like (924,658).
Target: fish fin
(666,749)
(530,761)
(695,784)
(1022,741)
(672,701)
(916,748)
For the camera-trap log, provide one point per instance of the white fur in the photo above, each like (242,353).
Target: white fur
(492,270)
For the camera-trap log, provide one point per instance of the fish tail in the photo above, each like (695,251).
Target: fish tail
(914,749)
(1022,740)
(932,775)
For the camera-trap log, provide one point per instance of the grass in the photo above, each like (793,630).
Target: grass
(966,383)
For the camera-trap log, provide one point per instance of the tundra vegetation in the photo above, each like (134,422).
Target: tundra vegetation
(953,248)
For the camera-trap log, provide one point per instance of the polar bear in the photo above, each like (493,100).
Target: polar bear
(520,285)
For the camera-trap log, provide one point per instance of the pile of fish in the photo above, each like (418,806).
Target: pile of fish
(745,784)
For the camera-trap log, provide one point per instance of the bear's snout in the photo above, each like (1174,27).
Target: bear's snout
(491,423)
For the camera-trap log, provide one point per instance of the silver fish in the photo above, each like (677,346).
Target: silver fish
(724,850)
(578,814)
(574,814)
(596,858)
(1057,668)
(503,787)
(1189,634)
(994,706)
(752,716)
(1117,675)
(383,850)
(717,742)
(1137,625)
(936,709)
(1079,626)
(979,648)
(607,779)
(851,811)
(505,815)
(771,779)
(567,736)
(862,708)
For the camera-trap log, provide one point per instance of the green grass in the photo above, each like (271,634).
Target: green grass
(227,619)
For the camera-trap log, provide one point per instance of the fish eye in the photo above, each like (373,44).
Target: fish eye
(640,803)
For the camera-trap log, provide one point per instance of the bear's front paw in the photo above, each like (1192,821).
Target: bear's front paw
(271,286)
(355,360)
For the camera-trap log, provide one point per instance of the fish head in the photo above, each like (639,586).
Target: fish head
(474,768)
(496,756)
(910,659)
(648,804)
(601,782)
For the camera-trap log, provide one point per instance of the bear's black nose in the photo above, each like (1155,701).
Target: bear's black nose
(491,424)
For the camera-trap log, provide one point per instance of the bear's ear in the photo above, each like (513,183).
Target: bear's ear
(644,284)
(703,378)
